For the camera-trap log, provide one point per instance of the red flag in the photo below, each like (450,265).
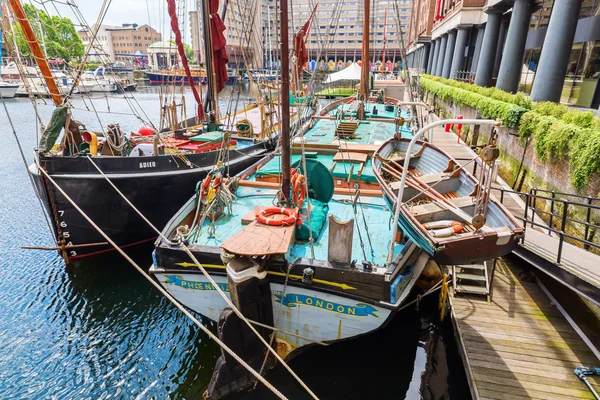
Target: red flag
(300,42)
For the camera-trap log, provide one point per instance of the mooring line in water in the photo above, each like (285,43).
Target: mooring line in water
(210,279)
(33,185)
(167,294)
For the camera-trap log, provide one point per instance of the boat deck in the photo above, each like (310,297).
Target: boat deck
(371,212)
(519,346)
(372,228)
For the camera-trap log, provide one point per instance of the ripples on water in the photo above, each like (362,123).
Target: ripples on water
(101,331)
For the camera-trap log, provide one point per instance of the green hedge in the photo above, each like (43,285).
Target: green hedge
(557,130)
(496,94)
(509,113)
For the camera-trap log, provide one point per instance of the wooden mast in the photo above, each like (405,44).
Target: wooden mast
(36,49)
(285,105)
(364,71)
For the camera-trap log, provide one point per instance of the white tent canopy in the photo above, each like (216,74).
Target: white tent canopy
(351,73)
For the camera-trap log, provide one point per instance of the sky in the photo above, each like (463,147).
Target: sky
(152,12)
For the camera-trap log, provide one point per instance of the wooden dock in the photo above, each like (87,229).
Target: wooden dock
(519,346)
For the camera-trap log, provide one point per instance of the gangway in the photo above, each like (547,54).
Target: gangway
(559,230)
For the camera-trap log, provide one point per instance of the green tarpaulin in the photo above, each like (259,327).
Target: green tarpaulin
(318,216)
(214,136)
(55,126)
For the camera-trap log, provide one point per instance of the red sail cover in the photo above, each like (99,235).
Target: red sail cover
(220,58)
(181,51)
(300,42)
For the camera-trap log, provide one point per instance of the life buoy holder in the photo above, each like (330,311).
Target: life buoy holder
(206,186)
(299,192)
(443,228)
(263,216)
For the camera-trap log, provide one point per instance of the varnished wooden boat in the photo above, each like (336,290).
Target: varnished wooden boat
(436,184)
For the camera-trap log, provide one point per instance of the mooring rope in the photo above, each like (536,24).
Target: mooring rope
(165,292)
(211,280)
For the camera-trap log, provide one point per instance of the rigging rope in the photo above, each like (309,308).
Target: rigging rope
(206,274)
(165,292)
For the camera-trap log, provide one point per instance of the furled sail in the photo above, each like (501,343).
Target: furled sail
(220,58)
(181,50)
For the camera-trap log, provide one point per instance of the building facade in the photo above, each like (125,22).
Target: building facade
(544,48)
(243,33)
(335,35)
(119,43)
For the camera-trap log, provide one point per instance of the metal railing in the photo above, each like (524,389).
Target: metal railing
(559,205)
(465,76)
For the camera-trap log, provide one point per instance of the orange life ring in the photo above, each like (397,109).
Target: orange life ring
(299,192)
(262,218)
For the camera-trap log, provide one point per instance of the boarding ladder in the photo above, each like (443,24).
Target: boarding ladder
(346,129)
(472,278)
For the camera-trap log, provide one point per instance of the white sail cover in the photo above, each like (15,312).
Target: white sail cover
(350,73)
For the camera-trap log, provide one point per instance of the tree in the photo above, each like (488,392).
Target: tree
(57,35)
(189,52)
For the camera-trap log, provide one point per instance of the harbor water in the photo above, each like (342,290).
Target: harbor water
(99,330)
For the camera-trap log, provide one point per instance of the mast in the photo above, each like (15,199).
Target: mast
(384,39)
(285,104)
(36,49)
(364,71)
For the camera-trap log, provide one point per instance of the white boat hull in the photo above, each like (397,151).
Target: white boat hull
(311,314)
(8,91)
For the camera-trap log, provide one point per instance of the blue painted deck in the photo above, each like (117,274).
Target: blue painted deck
(372,217)
(376,215)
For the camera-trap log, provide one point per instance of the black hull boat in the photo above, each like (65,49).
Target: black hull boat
(157,185)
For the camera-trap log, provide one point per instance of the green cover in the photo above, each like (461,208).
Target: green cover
(214,136)
(318,216)
(320,181)
(55,126)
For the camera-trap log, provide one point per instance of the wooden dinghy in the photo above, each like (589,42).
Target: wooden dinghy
(444,209)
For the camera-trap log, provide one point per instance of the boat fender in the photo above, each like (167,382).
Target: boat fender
(146,131)
(91,139)
(443,228)
(262,216)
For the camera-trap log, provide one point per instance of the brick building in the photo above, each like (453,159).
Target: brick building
(119,43)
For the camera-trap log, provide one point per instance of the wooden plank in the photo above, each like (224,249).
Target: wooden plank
(524,392)
(336,190)
(552,354)
(522,370)
(359,148)
(519,334)
(474,333)
(258,239)
(495,308)
(525,355)
(558,326)
(351,157)
(539,379)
